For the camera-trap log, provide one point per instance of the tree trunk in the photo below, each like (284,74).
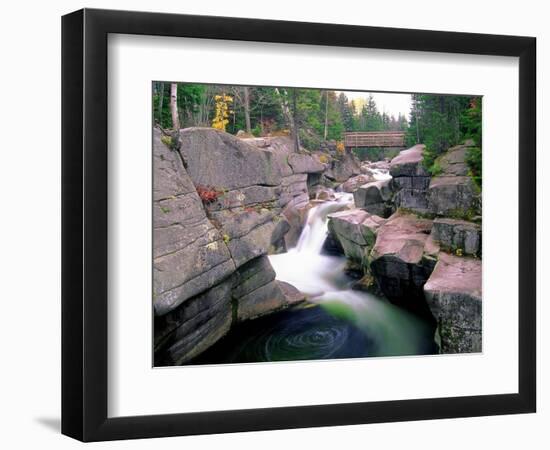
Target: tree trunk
(416,120)
(326,116)
(289,116)
(161,99)
(247,110)
(174,106)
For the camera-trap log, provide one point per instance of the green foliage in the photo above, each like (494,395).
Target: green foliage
(473,159)
(471,119)
(310,141)
(435,169)
(346,112)
(442,121)
(257,130)
(166,140)
(438,121)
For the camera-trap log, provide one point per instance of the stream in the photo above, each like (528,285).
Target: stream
(335,322)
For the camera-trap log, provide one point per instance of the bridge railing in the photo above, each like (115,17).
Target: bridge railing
(374,139)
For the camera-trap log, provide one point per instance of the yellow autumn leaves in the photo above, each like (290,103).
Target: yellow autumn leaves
(221,120)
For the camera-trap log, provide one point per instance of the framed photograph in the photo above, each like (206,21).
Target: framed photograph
(274,225)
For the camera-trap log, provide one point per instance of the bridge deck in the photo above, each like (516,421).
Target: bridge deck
(374,139)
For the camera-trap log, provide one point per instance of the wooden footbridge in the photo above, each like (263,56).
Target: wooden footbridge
(372,139)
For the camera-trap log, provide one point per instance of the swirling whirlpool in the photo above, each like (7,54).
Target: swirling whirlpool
(304,334)
(338,322)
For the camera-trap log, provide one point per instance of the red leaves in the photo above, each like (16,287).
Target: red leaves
(208,194)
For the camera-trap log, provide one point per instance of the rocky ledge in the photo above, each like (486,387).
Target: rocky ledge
(453,293)
(221,204)
(425,255)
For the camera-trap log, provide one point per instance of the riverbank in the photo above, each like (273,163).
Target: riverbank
(239,222)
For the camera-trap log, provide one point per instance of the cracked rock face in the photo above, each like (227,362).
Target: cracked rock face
(375,197)
(410,180)
(454,196)
(355,231)
(214,158)
(343,168)
(457,236)
(402,259)
(210,265)
(453,192)
(453,293)
(189,253)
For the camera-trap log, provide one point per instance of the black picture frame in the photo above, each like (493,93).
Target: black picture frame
(84,224)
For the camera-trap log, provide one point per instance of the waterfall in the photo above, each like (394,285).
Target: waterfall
(304,266)
(380,174)
(315,230)
(324,280)
(336,321)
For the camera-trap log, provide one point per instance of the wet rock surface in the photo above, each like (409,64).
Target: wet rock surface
(219,208)
(343,167)
(222,204)
(453,293)
(402,260)
(453,192)
(457,236)
(375,197)
(189,253)
(355,231)
(410,180)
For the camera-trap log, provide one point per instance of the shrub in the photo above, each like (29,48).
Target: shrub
(309,141)
(166,140)
(435,169)
(221,120)
(257,131)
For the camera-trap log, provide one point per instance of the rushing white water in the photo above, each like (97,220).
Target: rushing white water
(323,279)
(315,230)
(304,266)
(380,174)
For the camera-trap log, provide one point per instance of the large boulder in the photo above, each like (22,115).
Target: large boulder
(453,162)
(455,196)
(354,183)
(453,293)
(194,326)
(355,230)
(217,159)
(375,197)
(403,258)
(218,205)
(294,189)
(457,236)
(409,163)
(301,174)
(189,254)
(248,233)
(410,180)
(453,192)
(303,163)
(343,167)
(256,292)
